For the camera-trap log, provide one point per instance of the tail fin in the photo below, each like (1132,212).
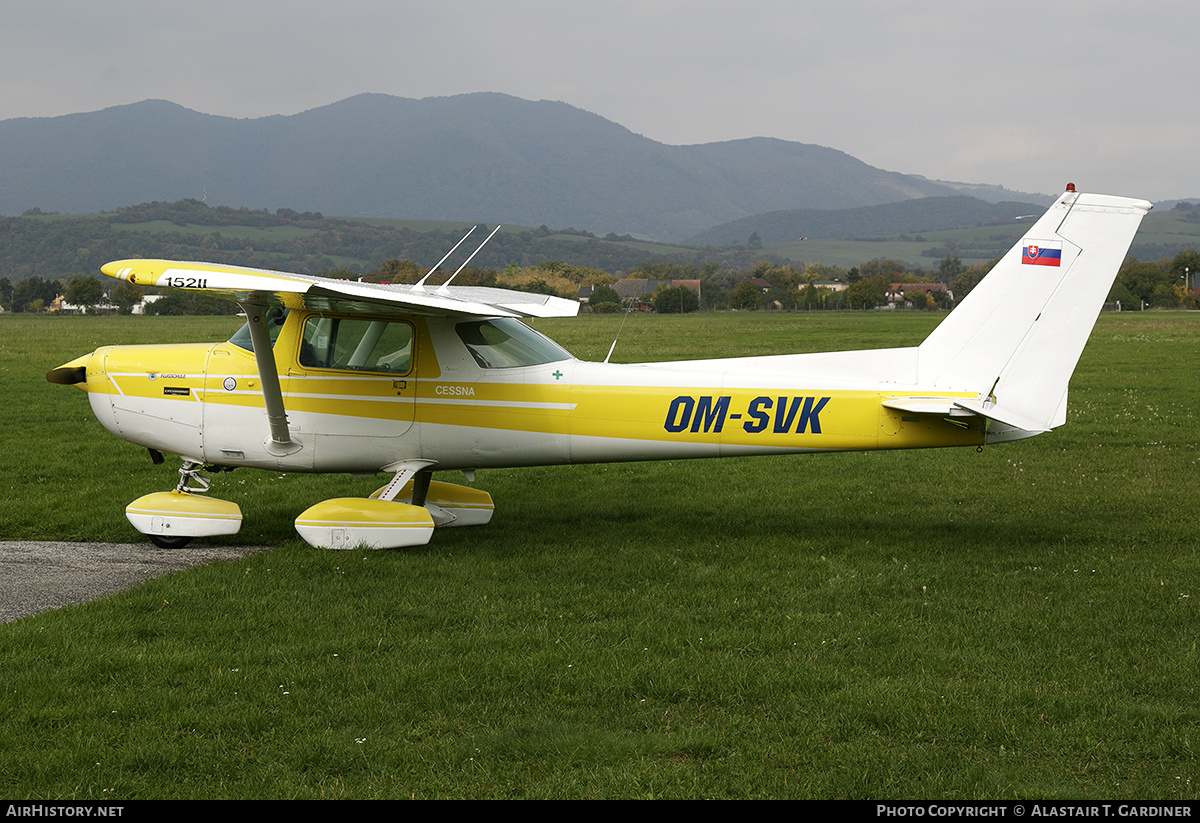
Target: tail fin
(1015,340)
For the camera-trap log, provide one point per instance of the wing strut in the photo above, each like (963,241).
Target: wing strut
(280,442)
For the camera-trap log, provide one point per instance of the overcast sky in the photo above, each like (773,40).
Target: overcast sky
(1028,95)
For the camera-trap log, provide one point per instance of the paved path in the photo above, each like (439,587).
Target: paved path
(39,576)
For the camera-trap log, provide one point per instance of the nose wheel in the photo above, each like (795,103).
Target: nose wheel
(164,542)
(171,519)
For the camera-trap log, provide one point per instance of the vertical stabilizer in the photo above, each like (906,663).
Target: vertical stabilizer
(1015,340)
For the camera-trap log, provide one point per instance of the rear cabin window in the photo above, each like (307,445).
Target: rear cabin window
(505,344)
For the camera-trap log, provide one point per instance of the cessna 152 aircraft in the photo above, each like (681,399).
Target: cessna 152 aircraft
(339,376)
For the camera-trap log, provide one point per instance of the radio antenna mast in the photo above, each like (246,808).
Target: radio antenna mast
(619,329)
(421,282)
(468,260)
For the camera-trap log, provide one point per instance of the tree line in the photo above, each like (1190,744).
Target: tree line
(35,250)
(1166,283)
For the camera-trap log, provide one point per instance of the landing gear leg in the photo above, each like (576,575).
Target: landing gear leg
(190,472)
(421,486)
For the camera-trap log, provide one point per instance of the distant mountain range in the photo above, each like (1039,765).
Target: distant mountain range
(487,157)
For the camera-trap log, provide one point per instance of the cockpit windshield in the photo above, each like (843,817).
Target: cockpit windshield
(505,343)
(275,318)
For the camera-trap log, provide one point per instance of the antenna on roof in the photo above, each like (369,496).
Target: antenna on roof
(468,260)
(421,282)
(614,345)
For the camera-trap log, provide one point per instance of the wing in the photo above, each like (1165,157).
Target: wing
(326,294)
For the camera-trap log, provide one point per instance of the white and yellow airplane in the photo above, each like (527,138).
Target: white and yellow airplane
(339,376)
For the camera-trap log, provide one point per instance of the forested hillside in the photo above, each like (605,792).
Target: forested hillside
(43,257)
(55,246)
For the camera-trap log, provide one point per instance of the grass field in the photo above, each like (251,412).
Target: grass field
(1015,622)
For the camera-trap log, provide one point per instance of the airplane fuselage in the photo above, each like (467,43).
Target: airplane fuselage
(441,403)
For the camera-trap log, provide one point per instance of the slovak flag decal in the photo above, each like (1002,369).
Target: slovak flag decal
(1042,254)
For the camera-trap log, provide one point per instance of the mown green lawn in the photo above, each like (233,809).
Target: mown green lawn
(1015,622)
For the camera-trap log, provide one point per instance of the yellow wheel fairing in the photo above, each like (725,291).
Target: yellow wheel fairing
(467,506)
(180,514)
(353,522)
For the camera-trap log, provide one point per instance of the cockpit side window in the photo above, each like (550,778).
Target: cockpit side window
(351,344)
(505,343)
(275,318)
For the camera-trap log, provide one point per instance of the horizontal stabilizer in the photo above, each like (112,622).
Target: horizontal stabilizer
(1004,416)
(943,406)
(960,407)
